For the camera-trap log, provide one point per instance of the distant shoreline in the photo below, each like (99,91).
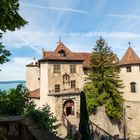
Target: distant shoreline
(12,82)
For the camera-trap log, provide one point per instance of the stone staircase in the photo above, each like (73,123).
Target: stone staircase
(62,131)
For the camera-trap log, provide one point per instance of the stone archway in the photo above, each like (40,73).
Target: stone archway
(68,107)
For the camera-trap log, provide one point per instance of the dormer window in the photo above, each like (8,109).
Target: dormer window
(62,53)
(128,68)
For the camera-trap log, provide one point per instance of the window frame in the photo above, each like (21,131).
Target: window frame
(73,83)
(72,68)
(62,53)
(56,68)
(128,69)
(133,87)
(57,87)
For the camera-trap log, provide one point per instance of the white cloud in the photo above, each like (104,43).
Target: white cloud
(14,69)
(128,35)
(19,39)
(38,40)
(124,16)
(66,9)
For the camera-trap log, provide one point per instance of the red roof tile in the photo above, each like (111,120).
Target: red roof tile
(35,94)
(86,57)
(70,56)
(130,57)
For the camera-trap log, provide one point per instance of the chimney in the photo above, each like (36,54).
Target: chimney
(43,53)
(34,61)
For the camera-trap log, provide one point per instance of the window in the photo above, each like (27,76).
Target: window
(128,68)
(73,84)
(57,88)
(62,53)
(57,69)
(133,86)
(72,68)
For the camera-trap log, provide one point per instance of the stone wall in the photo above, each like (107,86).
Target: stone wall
(65,68)
(102,120)
(59,105)
(132,118)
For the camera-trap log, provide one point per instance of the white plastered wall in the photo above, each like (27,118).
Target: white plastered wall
(32,78)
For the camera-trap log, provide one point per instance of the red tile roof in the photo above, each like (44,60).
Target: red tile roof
(130,57)
(70,56)
(35,94)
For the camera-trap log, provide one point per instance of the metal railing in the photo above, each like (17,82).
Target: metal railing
(95,129)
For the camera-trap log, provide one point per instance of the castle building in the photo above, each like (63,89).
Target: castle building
(58,77)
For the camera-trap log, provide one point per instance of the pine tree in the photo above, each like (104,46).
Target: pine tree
(84,119)
(104,86)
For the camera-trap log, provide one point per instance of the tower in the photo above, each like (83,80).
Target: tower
(130,75)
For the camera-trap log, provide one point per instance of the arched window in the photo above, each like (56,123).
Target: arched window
(133,86)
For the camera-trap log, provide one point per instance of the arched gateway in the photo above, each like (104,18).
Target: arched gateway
(68,107)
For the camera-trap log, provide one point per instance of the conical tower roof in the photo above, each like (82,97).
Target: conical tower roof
(130,57)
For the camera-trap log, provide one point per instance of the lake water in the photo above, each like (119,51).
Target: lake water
(6,86)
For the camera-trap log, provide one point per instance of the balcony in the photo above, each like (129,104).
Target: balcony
(70,91)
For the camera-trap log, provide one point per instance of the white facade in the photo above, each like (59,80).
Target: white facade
(128,78)
(32,77)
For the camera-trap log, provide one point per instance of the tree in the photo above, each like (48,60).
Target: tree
(9,20)
(13,101)
(9,16)
(43,117)
(16,102)
(104,86)
(4,54)
(84,119)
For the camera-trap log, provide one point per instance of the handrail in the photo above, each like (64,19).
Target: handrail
(104,131)
(101,129)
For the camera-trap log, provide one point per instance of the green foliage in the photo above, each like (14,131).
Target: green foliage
(4,54)
(16,102)
(84,118)
(91,96)
(13,101)
(9,16)
(104,86)
(9,20)
(43,118)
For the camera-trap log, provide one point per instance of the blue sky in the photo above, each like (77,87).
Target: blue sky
(79,23)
